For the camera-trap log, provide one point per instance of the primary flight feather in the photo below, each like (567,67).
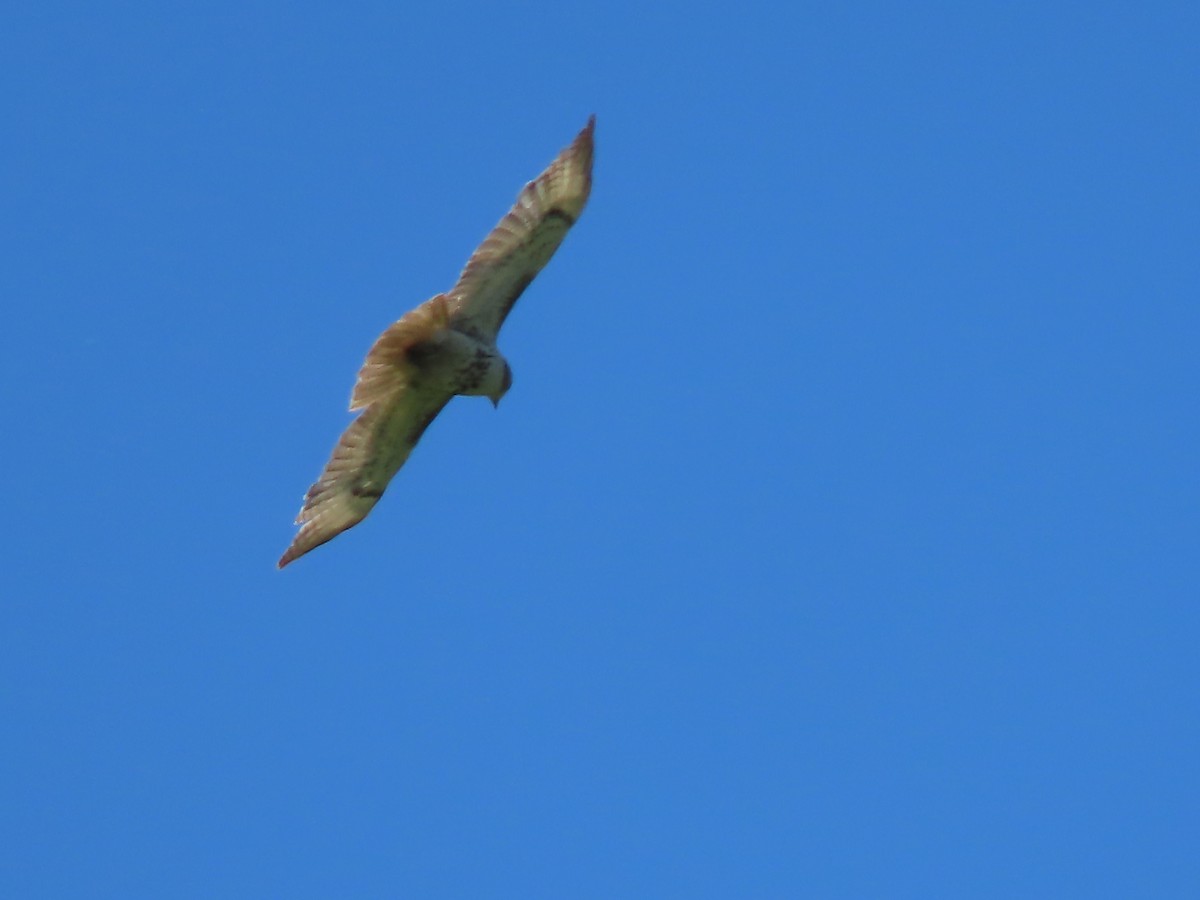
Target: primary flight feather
(443,348)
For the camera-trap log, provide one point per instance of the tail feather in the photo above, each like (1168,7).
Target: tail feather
(387,367)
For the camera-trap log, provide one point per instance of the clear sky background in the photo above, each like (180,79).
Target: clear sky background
(838,537)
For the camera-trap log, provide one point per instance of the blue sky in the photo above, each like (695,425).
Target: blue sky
(838,537)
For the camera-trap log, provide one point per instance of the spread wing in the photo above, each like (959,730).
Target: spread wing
(524,240)
(398,409)
(366,457)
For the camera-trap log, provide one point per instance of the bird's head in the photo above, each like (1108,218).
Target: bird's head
(505,384)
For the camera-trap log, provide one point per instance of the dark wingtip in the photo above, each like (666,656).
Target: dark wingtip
(293,552)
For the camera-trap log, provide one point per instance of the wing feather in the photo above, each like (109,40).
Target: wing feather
(524,240)
(368,455)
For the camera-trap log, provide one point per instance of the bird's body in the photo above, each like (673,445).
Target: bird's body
(444,348)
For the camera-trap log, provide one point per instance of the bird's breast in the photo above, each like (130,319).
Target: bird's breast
(461,364)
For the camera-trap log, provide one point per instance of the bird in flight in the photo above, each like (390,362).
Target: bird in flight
(443,348)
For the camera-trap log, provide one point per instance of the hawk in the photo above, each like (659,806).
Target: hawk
(443,348)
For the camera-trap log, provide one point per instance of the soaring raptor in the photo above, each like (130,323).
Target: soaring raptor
(444,347)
